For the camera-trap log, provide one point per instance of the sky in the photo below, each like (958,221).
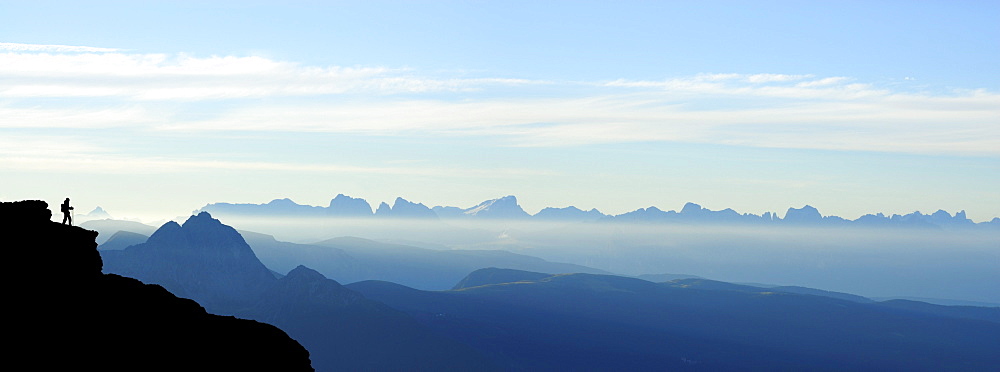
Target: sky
(153,109)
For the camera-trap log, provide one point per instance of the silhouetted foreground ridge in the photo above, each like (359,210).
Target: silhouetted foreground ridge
(71,316)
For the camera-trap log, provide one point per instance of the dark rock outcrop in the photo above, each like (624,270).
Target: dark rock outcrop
(70,316)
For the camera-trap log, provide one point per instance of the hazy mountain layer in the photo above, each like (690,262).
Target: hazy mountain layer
(349,260)
(121,240)
(211,263)
(599,322)
(348,332)
(523,320)
(108,227)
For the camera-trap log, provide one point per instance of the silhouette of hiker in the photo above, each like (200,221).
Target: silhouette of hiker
(67,212)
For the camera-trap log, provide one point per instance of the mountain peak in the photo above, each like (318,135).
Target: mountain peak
(570,213)
(383,209)
(402,208)
(505,207)
(284,201)
(303,282)
(202,259)
(343,205)
(97,214)
(941,213)
(165,232)
(806,214)
(690,208)
(203,218)
(302,273)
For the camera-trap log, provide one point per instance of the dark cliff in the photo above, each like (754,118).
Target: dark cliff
(70,315)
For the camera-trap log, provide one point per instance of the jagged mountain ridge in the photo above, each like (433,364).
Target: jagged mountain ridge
(507,208)
(402,208)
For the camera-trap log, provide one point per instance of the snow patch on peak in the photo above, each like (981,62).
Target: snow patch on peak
(505,207)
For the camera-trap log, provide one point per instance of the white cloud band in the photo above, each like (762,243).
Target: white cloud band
(153,92)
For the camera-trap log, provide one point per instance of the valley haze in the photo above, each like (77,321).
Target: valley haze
(939,255)
(503,319)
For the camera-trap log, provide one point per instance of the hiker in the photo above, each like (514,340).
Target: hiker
(67,213)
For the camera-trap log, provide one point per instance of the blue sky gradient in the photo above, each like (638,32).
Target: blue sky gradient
(153,109)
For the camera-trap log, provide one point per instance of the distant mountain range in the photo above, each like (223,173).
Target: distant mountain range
(507,208)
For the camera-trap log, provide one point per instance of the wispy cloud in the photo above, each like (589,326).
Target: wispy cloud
(16,47)
(893,123)
(770,78)
(107,164)
(28,73)
(158,92)
(67,154)
(79,117)
(758,86)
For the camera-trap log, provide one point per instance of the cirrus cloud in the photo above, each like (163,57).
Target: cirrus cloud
(157,93)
